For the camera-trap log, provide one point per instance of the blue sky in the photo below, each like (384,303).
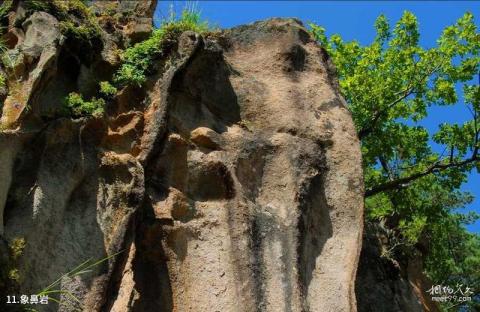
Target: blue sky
(352,20)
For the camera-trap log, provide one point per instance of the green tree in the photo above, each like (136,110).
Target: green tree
(412,189)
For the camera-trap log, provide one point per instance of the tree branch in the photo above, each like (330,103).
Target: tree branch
(436,167)
(368,129)
(372,124)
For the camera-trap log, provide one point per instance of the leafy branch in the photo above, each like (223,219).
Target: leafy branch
(436,167)
(409,90)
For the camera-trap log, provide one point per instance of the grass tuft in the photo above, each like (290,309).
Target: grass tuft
(81,269)
(138,60)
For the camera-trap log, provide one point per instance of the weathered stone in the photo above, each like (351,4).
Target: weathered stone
(270,238)
(10,146)
(41,31)
(233,177)
(188,42)
(205,137)
(40,48)
(138,30)
(174,207)
(13,37)
(133,19)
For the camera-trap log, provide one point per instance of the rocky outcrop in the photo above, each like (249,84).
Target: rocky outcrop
(387,285)
(32,63)
(231,181)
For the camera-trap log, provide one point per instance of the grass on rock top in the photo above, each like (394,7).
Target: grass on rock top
(138,60)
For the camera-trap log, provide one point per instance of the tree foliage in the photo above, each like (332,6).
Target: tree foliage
(412,175)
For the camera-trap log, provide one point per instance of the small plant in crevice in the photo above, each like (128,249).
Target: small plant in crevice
(77,107)
(83,27)
(10,59)
(107,90)
(3,81)
(9,272)
(10,277)
(138,60)
(4,9)
(39,5)
(3,46)
(17,246)
(86,33)
(61,9)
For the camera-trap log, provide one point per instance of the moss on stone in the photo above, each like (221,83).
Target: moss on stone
(76,19)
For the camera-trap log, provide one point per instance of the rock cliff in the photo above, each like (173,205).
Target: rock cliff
(230,181)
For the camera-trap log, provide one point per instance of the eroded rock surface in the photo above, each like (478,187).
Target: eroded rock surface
(231,182)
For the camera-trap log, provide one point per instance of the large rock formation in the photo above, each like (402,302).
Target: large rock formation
(231,181)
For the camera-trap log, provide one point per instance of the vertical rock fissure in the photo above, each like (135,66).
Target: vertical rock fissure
(314,226)
(257,265)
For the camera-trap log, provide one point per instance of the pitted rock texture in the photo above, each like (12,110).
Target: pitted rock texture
(231,182)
